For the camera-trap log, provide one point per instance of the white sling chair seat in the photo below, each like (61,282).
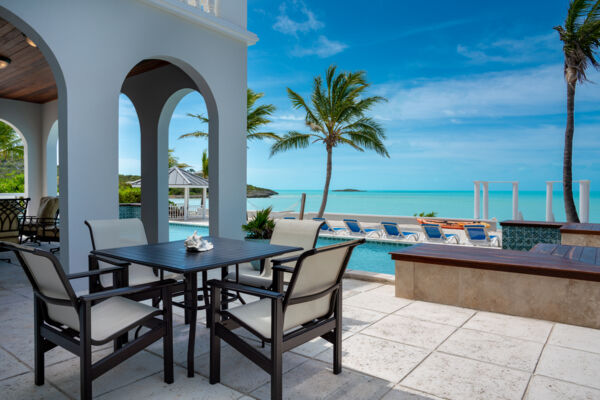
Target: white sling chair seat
(287,232)
(115,233)
(318,273)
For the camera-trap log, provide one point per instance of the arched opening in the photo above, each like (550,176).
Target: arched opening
(13,161)
(129,159)
(163,94)
(32,98)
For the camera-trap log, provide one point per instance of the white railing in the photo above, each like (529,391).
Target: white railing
(178,212)
(208,6)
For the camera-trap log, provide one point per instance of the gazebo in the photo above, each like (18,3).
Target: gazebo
(179,178)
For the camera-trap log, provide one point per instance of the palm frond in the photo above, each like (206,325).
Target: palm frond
(193,134)
(263,135)
(291,140)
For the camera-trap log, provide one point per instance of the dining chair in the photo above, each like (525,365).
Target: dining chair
(287,232)
(310,308)
(76,323)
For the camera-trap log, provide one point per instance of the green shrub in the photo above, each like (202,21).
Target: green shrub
(12,183)
(128,194)
(424,214)
(261,226)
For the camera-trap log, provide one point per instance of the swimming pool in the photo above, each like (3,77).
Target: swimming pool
(371,256)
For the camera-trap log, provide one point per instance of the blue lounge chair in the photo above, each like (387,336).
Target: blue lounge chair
(289,217)
(434,233)
(355,228)
(478,235)
(326,227)
(392,231)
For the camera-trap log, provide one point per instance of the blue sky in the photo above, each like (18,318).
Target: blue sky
(475,92)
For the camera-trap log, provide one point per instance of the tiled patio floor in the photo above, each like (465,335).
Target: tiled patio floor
(393,349)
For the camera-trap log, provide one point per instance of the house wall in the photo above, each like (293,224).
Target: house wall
(91,46)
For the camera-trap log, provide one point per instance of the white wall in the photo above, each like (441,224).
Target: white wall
(91,46)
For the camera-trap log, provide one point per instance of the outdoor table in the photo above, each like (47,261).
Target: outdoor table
(173,257)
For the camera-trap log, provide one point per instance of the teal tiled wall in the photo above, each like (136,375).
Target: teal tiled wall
(525,237)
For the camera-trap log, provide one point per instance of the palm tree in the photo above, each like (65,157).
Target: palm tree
(257,116)
(11,146)
(336,116)
(174,161)
(205,164)
(581,39)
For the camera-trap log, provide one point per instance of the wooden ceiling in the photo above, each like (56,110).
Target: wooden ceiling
(29,77)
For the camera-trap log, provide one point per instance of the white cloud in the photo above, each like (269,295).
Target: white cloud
(323,48)
(512,51)
(286,25)
(526,92)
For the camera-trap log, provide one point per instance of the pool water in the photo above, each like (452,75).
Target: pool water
(370,256)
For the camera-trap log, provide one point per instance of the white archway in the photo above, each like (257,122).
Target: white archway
(50,187)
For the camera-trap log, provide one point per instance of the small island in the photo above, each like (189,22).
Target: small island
(348,190)
(253,192)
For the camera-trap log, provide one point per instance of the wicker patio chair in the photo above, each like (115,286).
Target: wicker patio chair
(12,214)
(310,308)
(76,323)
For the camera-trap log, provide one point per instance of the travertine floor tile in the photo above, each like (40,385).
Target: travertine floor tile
(381,299)
(240,373)
(570,365)
(23,387)
(65,375)
(10,366)
(576,337)
(508,325)
(410,331)
(544,388)
(154,388)
(355,319)
(457,378)
(400,392)
(496,349)
(378,357)
(315,380)
(434,312)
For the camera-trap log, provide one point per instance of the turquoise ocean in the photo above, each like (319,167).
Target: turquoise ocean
(447,204)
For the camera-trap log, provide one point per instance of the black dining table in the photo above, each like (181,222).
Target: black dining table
(173,257)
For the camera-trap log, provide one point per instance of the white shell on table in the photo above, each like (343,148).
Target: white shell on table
(196,243)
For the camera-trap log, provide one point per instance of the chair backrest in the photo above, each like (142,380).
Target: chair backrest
(299,233)
(12,214)
(115,233)
(391,229)
(477,232)
(48,279)
(353,225)
(325,226)
(317,271)
(433,231)
(48,207)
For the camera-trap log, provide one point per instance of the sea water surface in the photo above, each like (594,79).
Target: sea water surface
(447,204)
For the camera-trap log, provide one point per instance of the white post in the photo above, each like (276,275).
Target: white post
(186,202)
(515,200)
(477,200)
(584,201)
(486,198)
(549,215)
(203,203)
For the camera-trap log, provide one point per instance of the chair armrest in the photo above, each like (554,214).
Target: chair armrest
(126,291)
(236,287)
(108,260)
(284,260)
(283,268)
(95,272)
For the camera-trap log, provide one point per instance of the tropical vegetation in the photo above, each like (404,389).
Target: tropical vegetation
(12,168)
(336,115)
(257,118)
(261,225)
(581,39)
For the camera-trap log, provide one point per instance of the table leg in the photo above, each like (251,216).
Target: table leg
(191,304)
(206,297)
(224,292)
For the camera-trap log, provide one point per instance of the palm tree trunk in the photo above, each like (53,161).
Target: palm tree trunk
(570,210)
(327,180)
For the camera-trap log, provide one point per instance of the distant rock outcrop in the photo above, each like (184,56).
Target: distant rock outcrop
(253,192)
